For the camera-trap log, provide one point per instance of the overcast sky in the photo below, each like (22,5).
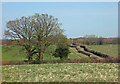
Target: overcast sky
(77,18)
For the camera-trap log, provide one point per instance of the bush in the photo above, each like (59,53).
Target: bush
(62,52)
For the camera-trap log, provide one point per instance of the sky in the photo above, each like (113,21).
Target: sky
(78,18)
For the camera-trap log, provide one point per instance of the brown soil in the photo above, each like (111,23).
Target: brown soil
(93,60)
(4,62)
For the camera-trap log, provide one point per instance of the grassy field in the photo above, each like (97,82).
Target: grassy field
(10,53)
(68,72)
(16,54)
(63,72)
(108,49)
(75,54)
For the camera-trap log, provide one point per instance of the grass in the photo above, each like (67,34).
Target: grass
(63,72)
(75,54)
(68,72)
(108,49)
(10,53)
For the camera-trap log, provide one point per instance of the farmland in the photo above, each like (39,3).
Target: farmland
(59,42)
(12,53)
(68,72)
(108,49)
(16,54)
(60,72)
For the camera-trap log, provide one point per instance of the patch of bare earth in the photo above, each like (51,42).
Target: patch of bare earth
(5,62)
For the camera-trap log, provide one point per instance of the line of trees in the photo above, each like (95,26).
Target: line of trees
(93,40)
(35,33)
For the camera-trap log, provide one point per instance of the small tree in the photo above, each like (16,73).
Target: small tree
(100,41)
(62,50)
(90,39)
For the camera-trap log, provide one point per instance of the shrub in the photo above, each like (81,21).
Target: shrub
(62,52)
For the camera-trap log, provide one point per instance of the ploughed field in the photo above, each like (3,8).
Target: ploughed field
(63,72)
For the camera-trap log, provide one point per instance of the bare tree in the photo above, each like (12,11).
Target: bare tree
(35,33)
(46,27)
(22,32)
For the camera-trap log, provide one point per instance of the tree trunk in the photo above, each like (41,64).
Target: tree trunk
(40,57)
(29,58)
(29,53)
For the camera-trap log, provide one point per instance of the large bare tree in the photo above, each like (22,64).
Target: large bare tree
(34,33)
(46,27)
(22,31)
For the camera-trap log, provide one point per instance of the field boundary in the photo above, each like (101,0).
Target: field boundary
(89,52)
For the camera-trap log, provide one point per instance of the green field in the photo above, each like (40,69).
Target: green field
(10,53)
(62,72)
(108,49)
(68,72)
(75,54)
(16,54)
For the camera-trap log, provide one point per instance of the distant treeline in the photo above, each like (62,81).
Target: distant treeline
(87,41)
(93,41)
